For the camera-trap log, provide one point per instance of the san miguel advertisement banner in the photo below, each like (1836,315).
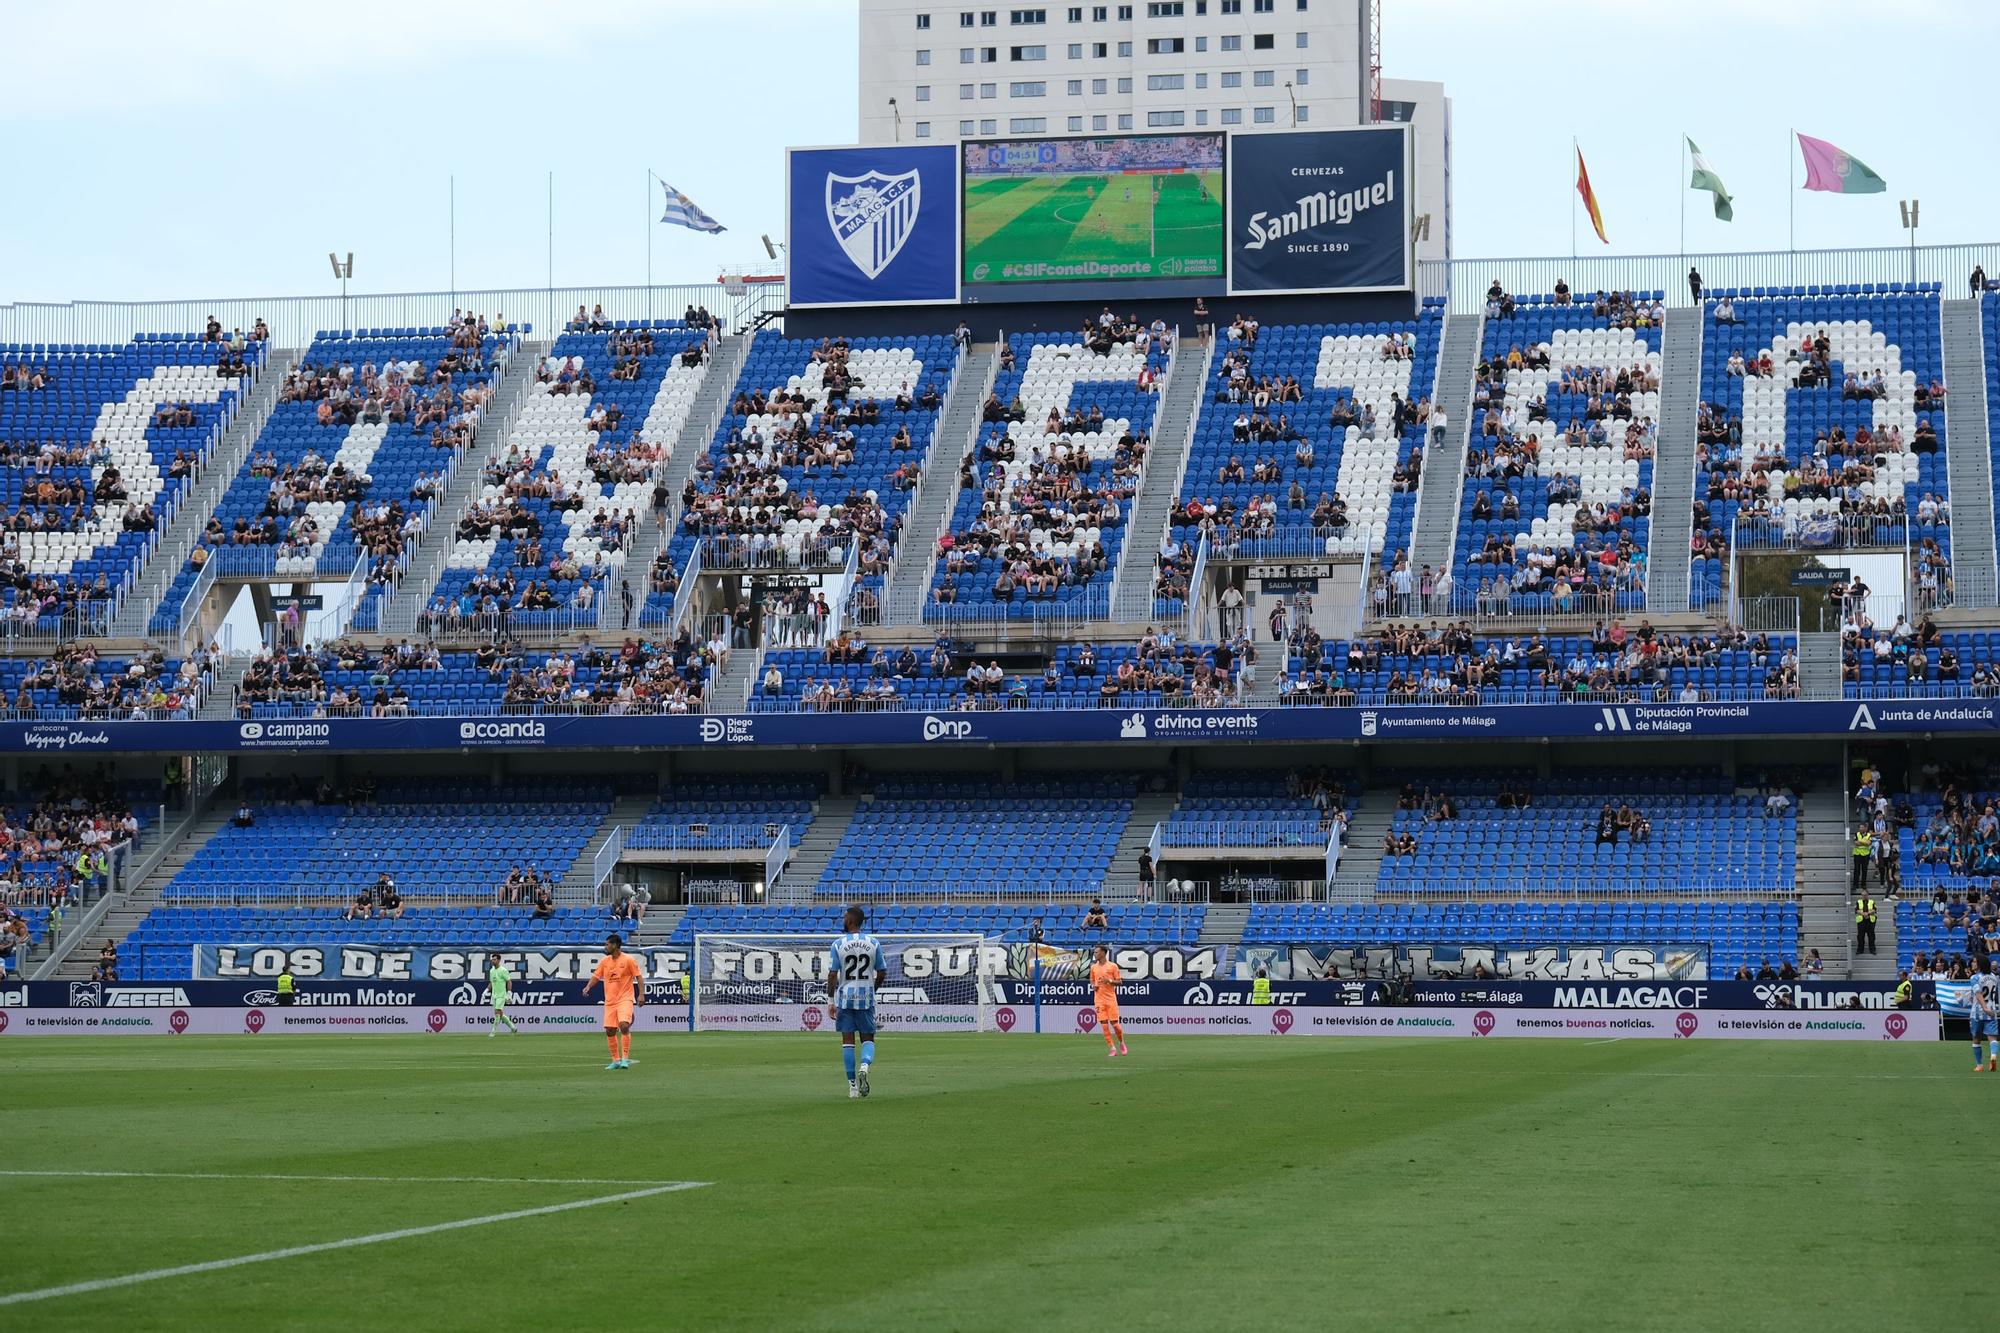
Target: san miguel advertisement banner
(873,226)
(1322,211)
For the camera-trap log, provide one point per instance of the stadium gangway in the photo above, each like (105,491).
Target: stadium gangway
(1344,545)
(1023,620)
(1514,612)
(1462,283)
(1616,882)
(1027,891)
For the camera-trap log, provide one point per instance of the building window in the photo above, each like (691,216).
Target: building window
(1125,85)
(1162,119)
(1232,115)
(989,18)
(1200,81)
(966,55)
(923,22)
(965,92)
(1165,46)
(1124,49)
(1097,122)
(989,55)
(1232,79)
(1264,115)
(1098,13)
(1301,77)
(1099,50)
(1301,43)
(1076,50)
(1165,9)
(1076,124)
(1232,6)
(1263,41)
(1200,7)
(989,127)
(1028,16)
(1076,14)
(1124,13)
(923,92)
(1165,83)
(965,18)
(1074,87)
(1232,44)
(1264,6)
(923,129)
(1265,78)
(1302,6)
(1201,116)
(1201,43)
(964,127)
(1099,87)
(1036,89)
(1028,125)
(1125,121)
(923,57)
(1301,113)
(1028,53)
(987,90)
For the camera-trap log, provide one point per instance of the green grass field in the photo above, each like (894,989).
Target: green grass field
(1091,219)
(994,1183)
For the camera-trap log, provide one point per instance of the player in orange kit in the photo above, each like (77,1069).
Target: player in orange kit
(1104,979)
(624,986)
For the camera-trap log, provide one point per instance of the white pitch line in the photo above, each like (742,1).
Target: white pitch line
(351,1242)
(381,1180)
(1603,1041)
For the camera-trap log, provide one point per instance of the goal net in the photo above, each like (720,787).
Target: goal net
(942,982)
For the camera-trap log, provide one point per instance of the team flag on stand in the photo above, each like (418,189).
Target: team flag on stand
(1589,198)
(684,212)
(1830,169)
(1704,178)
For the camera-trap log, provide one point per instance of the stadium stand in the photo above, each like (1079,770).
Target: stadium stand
(161,947)
(97,445)
(75,683)
(366,433)
(1311,438)
(1555,511)
(1615,663)
(1260,809)
(564,494)
(822,441)
(1921,661)
(1822,426)
(1061,923)
(727,813)
(956,837)
(1666,832)
(1041,512)
(1736,934)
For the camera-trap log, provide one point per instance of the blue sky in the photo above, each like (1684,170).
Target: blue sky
(155,151)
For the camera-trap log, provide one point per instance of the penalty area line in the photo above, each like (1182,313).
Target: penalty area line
(346,1180)
(351,1242)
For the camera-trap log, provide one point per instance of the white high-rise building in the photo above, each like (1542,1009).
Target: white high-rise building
(947,70)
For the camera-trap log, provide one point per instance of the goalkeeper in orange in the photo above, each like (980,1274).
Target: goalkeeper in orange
(1104,979)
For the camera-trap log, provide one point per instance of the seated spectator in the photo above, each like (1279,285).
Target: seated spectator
(363,905)
(544,903)
(389,902)
(245,816)
(630,905)
(1095,918)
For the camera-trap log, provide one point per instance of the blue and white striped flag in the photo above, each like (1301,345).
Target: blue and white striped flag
(684,212)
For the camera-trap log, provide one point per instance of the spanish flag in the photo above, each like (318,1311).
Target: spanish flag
(1589,198)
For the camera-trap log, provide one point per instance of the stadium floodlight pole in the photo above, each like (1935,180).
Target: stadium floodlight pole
(1908,208)
(897,112)
(1295,103)
(343,271)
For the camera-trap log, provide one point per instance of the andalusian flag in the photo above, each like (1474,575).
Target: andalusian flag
(1704,178)
(1830,169)
(1589,198)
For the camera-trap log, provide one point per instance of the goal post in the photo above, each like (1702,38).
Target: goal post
(940,981)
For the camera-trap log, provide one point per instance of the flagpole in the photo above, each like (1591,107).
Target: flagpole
(649,238)
(1791,194)
(1575,156)
(454,236)
(1684,195)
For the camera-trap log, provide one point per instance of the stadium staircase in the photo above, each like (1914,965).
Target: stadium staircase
(937,486)
(1166,461)
(1968,458)
(1149,810)
(1361,860)
(1667,578)
(1223,924)
(124,915)
(1819,665)
(704,418)
(1826,913)
(420,576)
(135,614)
(732,683)
(816,846)
(223,678)
(579,882)
(1435,530)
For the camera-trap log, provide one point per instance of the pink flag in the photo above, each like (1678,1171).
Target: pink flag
(1830,169)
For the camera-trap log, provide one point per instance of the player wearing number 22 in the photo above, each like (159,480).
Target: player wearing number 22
(854,972)
(1104,979)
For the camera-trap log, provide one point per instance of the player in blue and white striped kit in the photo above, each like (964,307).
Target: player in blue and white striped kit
(853,972)
(1985,1015)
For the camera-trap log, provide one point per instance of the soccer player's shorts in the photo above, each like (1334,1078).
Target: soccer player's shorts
(858,1021)
(618,1015)
(1986,1028)
(1107,1013)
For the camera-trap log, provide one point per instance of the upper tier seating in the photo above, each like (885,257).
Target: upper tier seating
(76,683)
(1736,934)
(1901,661)
(563,495)
(1340,439)
(1555,511)
(94,461)
(435,838)
(1804,447)
(1041,515)
(1703,837)
(800,465)
(362,441)
(1406,664)
(958,836)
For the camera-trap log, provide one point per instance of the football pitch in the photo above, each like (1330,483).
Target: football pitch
(989,1183)
(1149,225)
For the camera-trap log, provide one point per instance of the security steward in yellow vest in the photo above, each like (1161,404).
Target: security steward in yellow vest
(1864,924)
(1260,988)
(1864,849)
(287,986)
